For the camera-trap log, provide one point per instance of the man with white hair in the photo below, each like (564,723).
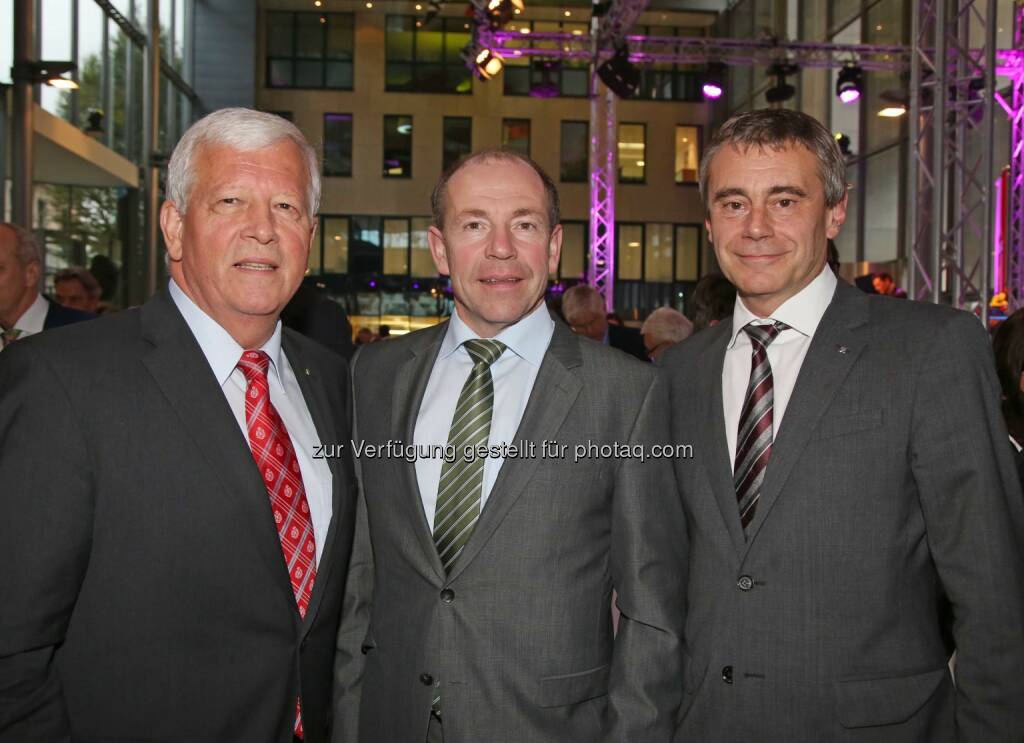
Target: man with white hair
(23,310)
(173,547)
(662,329)
(584,311)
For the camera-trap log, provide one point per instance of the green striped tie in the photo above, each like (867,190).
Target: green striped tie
(458,493)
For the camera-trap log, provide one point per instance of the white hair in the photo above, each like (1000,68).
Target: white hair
(579,301)
(241,129)
(26,246)
(666,325)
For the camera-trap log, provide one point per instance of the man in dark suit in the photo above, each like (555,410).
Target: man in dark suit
(174,550)
(23,310)
(850,468)
(584,311)
(479,605)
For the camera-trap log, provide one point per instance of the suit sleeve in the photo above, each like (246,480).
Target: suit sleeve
(349,659)
(47,501)
(649,548)
(974,516)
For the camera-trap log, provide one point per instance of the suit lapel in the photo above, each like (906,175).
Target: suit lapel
(554,392)
(833,352)
(411,379)
(182,373)
(315,396)
(716,463)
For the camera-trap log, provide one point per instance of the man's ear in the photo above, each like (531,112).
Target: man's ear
(554,250)
(438,250)
(173,227)
(33,274)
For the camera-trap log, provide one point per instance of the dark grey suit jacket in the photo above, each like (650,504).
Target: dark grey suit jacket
(519,637)
(143,593)
(889,483)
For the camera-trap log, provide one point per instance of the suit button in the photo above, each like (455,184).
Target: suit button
(447,595)
(426,679)
(727,674)
(745,583)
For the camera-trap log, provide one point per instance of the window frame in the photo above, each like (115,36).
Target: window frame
(416,86)
(351,144)
(384,131)
(324,59)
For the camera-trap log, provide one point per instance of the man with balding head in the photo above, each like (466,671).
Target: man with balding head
(584,310)
(23,310)
(174,548)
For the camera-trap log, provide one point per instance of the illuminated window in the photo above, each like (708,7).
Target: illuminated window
(632,147)
(397,146)
(396,246)
(658,253)
(422,264)
(687,154)
(335,246)
(629,262)
(426,58)
(687,252)
(515,135)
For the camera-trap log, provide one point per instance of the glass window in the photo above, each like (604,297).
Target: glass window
(335,245)
(90,63)
(426,57)
(54,21)
(515,135)
(457,139)
(397,146)
(338,145)
(575,151)
(632,143)
(310,50)
(545,78)
(365,256)
(630,257)
(574,251)
(422,265)
(669,81)
(658,253)
(881,201)
(396,247)
(687,154)
(687,252)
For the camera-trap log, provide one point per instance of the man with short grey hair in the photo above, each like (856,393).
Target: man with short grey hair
(76,288)
(175,541)
(584,310)
(854,476)
(24,311)
(662,329)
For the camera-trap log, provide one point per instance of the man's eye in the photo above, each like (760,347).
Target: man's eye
(285,205)
(785,203)
(230,200)
(474,225)
(526,226)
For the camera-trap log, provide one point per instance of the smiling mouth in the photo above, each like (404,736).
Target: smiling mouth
(501,282)
(250,266)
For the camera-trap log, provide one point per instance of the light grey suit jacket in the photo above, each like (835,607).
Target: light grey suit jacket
(519,637)
(889,483)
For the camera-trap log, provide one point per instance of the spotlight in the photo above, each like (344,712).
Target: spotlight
(894,103)
(486,62)
(712,84)
(500,12)
(619,74)
(850,83)
(844,143)
(781,91)
(48,72)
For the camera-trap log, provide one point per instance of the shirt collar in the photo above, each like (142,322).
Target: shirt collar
(222,352)
(528,339)
(802,312)
(33,319)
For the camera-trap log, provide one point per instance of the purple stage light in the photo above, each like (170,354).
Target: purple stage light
(849,95)
(712,91)
(373,284)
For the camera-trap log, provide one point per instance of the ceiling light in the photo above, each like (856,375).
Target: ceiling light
(850,83)
(782,90)
(892,112)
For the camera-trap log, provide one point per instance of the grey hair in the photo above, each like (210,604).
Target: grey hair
(777,128)
(241,129)
(667,325)
(580,299)
(26,247)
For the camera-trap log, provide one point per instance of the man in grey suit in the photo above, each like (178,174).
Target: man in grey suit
(850,468)
(478,606)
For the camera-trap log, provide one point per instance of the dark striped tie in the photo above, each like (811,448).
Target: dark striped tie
(755,434)
(461,484)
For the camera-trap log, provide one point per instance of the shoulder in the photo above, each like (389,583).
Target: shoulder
(57,315)
(613,368)
(384,354)
(683,354)
(323,358)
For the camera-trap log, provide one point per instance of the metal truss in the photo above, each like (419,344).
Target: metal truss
(1014,234)
(603,147)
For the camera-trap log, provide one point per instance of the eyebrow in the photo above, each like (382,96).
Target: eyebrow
(726,193)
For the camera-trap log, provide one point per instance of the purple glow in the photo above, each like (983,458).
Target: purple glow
(416,285)
(849,95)
(373,284)
(712,91)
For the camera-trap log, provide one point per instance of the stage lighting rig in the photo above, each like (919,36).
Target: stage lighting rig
(619,74)
(850,83)
(782,90)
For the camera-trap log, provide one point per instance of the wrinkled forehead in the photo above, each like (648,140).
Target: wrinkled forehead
(499,182)
(791,159)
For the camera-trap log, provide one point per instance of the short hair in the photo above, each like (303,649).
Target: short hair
(667,325)
(81,275)
(437,197)
(882,275)
(713,299)
(777,128)
(26,247)
(579,300)
(1008,348)
(241,129)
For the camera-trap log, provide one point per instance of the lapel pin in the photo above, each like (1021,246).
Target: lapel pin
(307,373)
(841,349)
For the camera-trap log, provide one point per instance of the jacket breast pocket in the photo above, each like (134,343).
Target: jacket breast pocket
(572,688)
(847,423)
(885,701)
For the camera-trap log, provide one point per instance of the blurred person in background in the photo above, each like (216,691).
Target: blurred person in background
(76,288)
(662,329)
(713,300)
(1008,347)
(584,311)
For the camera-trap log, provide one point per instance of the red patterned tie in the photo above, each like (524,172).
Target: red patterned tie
(272,449)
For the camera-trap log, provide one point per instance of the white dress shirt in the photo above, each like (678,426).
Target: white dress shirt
(222,352)
(802,313)
(513,373)
(32,319)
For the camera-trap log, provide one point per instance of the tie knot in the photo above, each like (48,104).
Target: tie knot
(484,351)
(254,365)
(9,336)
(764,334)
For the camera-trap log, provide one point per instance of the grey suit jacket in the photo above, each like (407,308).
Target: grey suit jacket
(519,638)
(889,483)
